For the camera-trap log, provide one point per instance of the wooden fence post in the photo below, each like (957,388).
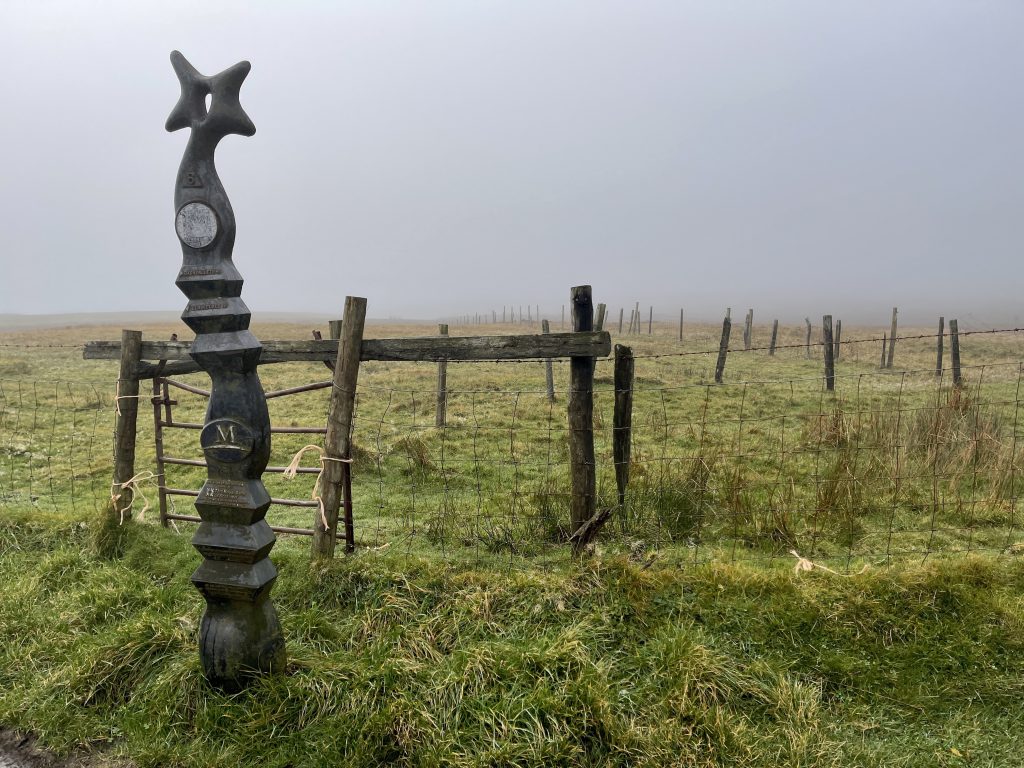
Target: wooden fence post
(830,365)
(748,330)
(680,325)
(161,401)
(442,382)
(622,422)
(636,330)
(548,372)
(650,322)
(126,426)
(839,338)
(892,339)
(954,351)
(884,341)
(621,310)
(938,348)
(723,349)
(581,416)
(807,344)
(599,323)
(335,328)
(775,338)
(336,472)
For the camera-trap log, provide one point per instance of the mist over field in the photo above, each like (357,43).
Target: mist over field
(444,159)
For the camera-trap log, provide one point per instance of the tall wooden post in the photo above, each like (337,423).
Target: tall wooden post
(621,310)
(650,322)
(839,337)
(335,328)
(748,330)
(775,338)
(884,342)
(442,382)
(807,343)
(827,344)
(938,348)
(954,348)
(126,425)
(599,323)
(680,325)
(581,416)
(892,340)
(622,423)
(335,475)
(723,349)
(549,374)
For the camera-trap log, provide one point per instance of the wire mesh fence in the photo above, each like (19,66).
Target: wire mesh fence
(894,463)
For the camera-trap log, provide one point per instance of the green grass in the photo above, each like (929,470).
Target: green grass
(410,661)
(894,464)
(462,633)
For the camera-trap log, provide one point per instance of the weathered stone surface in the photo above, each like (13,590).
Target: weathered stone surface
(240,633)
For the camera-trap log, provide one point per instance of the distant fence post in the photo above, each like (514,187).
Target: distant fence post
(680,325)
(748,330)
(581,416)
(807,344)
(830,367)
(442,382)
(335,329)
(723,349)
(839,338)
(650,322)
(775,338)
(126,426)
(622,422)
(548,372)
(892,339)
(599,323)
(336,472)
(884,341)
(954,350)
(621,311)
(636,330)
(938,348)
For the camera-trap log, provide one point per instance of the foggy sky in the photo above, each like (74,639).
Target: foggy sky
(449,157)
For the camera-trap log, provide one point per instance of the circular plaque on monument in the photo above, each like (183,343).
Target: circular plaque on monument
(196,225)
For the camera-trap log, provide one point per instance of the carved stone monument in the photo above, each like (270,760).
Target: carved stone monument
(240,633)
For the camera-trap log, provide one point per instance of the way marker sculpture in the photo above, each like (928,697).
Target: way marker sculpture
(240,632)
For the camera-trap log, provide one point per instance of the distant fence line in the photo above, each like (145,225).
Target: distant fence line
(897,463)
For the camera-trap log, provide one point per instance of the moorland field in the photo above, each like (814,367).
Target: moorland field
(462,632)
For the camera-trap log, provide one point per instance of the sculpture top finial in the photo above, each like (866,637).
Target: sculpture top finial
(225,114)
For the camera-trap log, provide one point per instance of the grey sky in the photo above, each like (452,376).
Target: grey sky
(449,157)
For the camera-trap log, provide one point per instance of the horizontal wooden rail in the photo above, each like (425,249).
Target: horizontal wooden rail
(422,349)
(275,430)
(282,502)
(200,463)
(274,528)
